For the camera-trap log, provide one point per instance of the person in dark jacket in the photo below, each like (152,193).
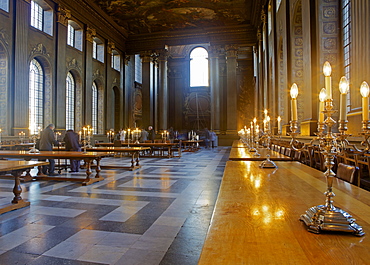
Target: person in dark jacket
(151,133)
(72,143)
(47,140)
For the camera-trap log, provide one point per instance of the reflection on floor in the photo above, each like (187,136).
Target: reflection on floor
(158,214)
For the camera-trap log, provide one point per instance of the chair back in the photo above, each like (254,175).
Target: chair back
(347,173)
(117,143)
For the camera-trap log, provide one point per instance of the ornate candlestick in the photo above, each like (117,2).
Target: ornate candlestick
(328,217)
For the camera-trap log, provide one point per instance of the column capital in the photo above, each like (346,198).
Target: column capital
(90,34)
(111,46)
(214,50)
(163,55)
(63,15)
(126,59)
(231,51)
(146,56)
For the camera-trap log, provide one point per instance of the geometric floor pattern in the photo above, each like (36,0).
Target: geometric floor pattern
(158,214)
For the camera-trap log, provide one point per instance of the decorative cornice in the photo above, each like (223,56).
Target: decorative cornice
(63,15)
(90,34)
(126,59)
(111,46)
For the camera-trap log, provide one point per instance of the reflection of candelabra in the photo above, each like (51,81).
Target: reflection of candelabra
(21,135)
(326,217)
(34,138)
(110,135)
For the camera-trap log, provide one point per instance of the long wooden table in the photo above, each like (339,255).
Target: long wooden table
(164,146)
(242,154)
(16,168)
(88,157)
(256,218)
(134,151)
(238,144)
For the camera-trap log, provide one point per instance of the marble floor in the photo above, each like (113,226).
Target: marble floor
(158,214)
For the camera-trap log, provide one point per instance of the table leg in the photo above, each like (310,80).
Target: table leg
(133,160)
(137,159)
(97,178)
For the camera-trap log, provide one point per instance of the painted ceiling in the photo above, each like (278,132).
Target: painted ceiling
(149,16)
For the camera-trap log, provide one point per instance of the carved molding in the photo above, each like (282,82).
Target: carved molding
(39,49)
(73,64)
(126,59)
(90,34)
(4,38)
(63,16)
(111,46)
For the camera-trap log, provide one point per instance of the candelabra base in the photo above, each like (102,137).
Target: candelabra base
(268,164)
(34,151)
(320,218)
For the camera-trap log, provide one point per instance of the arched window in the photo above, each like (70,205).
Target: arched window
(70,101)
(94,107)
(199,67)
(36,94)
(42,16)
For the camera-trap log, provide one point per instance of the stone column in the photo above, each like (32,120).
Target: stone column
(127,98)
(214,52)
(147,89)
(21,66)
(60,70)
(90,34)
(232,111)
(163,91)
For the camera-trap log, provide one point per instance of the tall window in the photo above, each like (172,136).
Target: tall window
(94,107)
(36,15)
(116,60)
(98,50)
(138,67)
(346,26)
(4,5)
(70,102)
(74,37)
(36,93)
(71,35)
(199,67)
(42,16)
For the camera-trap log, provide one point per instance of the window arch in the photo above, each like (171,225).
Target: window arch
(36,95)
(199,67)
(94,107)
(70,101)
(74,37)
(42,16)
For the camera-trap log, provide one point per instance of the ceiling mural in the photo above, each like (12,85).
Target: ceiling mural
(148,16)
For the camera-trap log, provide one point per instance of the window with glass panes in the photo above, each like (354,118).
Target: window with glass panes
(4,5)
(346,30)
(36,93)
(70,102)
(36,15)
(94,108)
(199,67)
(71,36)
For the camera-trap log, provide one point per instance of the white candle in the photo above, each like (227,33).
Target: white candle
(343,88)
(279,124)
(327,74)
(322,97)
(294,94)
(364,90)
